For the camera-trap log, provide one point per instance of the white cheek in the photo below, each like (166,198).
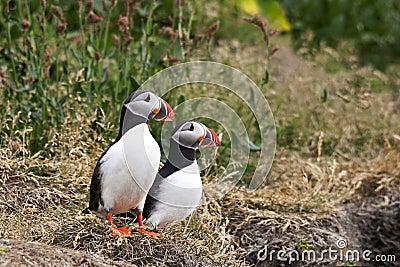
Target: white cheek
(154,103)
(186,138)
(140,108)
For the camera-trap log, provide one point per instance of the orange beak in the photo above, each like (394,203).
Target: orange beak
(210,139)
(214,137)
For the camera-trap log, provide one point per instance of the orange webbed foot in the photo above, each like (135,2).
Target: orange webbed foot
(143,231)
(122,231)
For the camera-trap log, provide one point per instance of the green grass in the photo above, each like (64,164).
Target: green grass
(62,57)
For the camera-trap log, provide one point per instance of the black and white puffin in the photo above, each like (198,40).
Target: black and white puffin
(177,189)
(126,170)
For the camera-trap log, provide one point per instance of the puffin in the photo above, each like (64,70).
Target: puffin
(177,188)
(125,172)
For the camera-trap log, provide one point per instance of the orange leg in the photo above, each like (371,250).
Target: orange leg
(122,231)
(141,227)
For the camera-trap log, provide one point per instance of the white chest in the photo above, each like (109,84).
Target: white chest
(128,169)
(178,196)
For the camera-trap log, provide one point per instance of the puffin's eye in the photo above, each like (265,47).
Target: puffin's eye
(191,127)
(147,98)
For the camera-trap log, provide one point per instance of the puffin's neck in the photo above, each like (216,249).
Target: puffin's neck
(179,157)
(127,121)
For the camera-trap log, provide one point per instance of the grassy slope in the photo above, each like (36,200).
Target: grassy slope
(310,199)
(336,171)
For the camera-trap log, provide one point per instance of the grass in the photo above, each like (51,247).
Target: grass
(336,172)
(72,55)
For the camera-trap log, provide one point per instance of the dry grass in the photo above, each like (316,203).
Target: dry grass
(41,200)
(310,204)
(310,199)
(303,202)
(355,121)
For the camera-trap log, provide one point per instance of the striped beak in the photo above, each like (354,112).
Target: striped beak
(163,112)
(210,139)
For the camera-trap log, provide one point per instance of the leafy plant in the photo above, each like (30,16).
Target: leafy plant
(61,56)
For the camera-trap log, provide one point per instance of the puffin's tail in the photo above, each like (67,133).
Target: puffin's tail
(86,211)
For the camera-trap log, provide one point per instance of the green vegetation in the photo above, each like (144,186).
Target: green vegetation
(61,57)
(371,26)
(58,58)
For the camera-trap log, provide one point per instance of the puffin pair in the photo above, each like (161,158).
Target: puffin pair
(126,172)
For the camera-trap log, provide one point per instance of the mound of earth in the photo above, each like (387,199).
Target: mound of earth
(22,253)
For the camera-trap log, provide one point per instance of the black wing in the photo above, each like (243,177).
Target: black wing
(151,202)
(95,184)
(95,188)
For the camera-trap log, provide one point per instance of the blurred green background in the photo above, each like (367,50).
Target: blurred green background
(370,26)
